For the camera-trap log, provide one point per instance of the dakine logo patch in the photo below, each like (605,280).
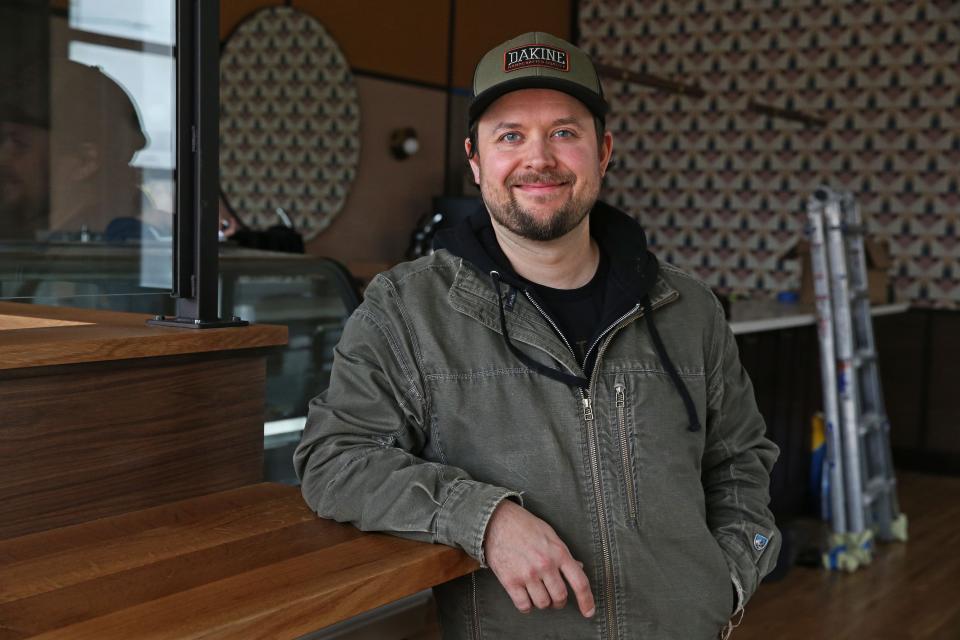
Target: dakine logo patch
(536,55)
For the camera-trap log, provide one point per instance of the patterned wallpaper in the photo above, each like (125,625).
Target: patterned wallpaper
(289,121)
(722,190)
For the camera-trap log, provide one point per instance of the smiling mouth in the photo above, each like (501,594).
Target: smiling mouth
(540,187)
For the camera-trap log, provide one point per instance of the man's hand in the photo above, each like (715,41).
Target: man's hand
(529,559)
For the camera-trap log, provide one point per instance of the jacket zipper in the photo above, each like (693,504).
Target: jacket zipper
(552,323)
(625,458)
(605,331)
(594,453)
(593,448)
(476,609)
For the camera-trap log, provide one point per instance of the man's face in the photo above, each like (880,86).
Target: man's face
(24,179)
(537,162)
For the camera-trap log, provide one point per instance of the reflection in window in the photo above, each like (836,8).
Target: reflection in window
(87,164)
(148,80)
(95,131)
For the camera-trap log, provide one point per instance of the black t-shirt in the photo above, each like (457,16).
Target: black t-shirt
(576,312)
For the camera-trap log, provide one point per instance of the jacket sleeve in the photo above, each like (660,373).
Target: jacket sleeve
(358,457)
(736,469)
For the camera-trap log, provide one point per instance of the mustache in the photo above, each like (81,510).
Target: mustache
(545,177)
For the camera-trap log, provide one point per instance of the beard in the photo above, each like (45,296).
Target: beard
(506,210)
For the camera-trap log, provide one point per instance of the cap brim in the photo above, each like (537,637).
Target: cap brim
(597,105)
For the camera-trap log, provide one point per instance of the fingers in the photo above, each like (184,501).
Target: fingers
(573,572)
(528,557)
(538,594)
(548,589)
(521,600)
(556,588)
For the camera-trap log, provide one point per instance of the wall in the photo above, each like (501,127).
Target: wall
(402,58)
(722,190)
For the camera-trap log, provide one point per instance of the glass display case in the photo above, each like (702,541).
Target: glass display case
(313,297)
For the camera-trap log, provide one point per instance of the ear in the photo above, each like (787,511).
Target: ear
(606,152)
(473,159)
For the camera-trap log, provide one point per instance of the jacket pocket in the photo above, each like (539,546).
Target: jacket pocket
(627,471)
(725,592)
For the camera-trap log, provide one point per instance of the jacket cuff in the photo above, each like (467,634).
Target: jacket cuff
(465,513)
(747,561)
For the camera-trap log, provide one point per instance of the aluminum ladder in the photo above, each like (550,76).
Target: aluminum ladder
(860,485)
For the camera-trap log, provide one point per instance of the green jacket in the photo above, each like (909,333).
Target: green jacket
(430,421)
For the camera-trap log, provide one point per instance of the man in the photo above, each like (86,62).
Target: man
(67,136)
(541,393)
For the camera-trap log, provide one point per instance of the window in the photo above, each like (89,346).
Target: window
(93,104)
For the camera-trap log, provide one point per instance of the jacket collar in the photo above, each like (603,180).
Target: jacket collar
(633,268)
(473,295)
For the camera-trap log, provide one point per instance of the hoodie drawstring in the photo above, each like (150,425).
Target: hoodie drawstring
(671,370)
(583,383)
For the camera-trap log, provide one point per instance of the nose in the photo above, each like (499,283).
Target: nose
(539,154)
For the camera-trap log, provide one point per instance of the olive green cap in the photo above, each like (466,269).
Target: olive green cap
(536,60)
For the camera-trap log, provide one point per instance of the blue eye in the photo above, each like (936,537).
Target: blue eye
(510,137)
(563,133)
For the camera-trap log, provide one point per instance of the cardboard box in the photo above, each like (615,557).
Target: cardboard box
(878,264)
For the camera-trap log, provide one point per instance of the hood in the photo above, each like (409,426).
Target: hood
(633,268)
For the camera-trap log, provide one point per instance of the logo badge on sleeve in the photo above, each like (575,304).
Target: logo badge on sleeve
(760,542)
(536,55)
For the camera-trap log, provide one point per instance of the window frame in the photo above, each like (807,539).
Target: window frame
(196,218)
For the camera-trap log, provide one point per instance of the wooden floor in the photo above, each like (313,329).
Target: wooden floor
(910,591)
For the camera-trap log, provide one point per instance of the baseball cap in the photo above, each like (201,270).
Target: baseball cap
(536,60)
(78,103)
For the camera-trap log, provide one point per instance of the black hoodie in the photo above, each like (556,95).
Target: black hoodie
(633,272)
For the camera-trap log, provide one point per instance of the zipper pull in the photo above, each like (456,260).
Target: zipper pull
(587,410)
(620,396)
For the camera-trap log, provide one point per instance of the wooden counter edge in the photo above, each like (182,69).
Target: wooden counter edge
(113,335)
(326,583)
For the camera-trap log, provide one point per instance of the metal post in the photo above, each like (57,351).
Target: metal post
(196,249)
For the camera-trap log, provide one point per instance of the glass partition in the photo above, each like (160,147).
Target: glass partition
(87,153)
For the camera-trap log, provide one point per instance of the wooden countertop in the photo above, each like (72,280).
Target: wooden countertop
(250,562)
(36,335)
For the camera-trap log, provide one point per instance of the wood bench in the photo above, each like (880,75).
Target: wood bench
(251,562)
